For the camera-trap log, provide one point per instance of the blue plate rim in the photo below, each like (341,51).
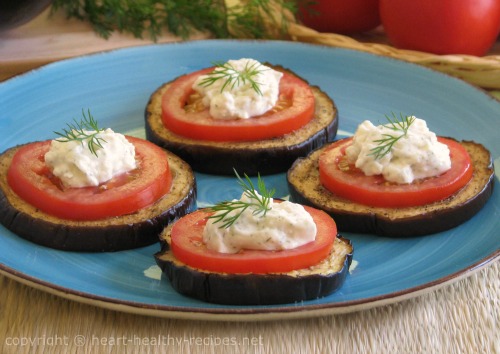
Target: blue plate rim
(244,313)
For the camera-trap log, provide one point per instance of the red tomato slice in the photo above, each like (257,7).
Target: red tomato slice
(351,183)
(295,95)
(188,247)
(30,178)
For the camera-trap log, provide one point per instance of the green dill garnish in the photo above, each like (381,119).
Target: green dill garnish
(260,203)
(85,129)
(257,19)
(386,143)
(233,77)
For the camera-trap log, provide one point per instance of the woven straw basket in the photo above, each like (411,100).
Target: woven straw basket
(480,71)
(483,72)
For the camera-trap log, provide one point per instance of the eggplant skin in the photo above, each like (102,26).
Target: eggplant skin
(250,157)
(107,235)
(305,188)
(256,289)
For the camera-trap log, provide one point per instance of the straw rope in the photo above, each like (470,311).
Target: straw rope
(481,71)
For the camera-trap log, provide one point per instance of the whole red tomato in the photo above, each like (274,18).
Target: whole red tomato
(340,16)
(442,26)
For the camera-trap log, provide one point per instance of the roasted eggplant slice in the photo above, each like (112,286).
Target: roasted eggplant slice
(257,289)
(250,157)
(305,188)
(118,233)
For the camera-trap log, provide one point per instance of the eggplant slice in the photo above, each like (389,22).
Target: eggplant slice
(135,230)
(305,188)
(257,289)
(250,157)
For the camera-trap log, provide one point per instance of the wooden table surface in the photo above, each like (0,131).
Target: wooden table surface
(50,38)
(462,317)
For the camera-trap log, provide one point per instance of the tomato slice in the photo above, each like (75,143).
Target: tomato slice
(351,183)
(30,178)
(188,247)
(297,109)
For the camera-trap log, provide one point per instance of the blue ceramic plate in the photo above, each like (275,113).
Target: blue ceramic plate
(116,86)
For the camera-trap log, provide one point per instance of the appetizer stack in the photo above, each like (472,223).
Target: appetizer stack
(93,190)
(240,115)
(399,180)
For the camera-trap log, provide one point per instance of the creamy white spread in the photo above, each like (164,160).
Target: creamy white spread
(416,155)
(238,99)
(77,166)
(285,226)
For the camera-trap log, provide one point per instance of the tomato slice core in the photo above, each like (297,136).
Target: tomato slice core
(31,180)
(188,247)
(200,125)
(351,183)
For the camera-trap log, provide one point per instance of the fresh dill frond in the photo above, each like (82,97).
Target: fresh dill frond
(261,18)
(399,125)
(245,19)
(233,77)
(260,203)
(86,129)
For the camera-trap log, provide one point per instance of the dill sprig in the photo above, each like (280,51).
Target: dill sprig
(399,125)
(233,77)
(260,203)
(181,17)
(86,129)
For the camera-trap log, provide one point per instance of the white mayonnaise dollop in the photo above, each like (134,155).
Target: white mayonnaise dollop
(416,155)
(285,226)
(237,98)
(77,166)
